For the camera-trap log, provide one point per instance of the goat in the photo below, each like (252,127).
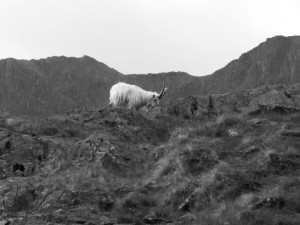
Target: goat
(133,97)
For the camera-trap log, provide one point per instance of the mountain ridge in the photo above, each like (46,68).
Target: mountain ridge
(259,66)
(54,85)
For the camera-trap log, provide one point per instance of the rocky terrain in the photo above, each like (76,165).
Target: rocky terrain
(275,61)
(56,84)
(215,159)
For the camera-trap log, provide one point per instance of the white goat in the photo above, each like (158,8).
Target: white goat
(132,96)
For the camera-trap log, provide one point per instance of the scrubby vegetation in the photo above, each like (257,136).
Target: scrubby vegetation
(124,167)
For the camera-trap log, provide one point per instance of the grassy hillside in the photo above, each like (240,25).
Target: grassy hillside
(154,167)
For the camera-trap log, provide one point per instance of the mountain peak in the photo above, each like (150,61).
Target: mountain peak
(281,37)
(88,59)
(275,61)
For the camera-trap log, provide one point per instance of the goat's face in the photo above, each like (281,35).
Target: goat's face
(154,101)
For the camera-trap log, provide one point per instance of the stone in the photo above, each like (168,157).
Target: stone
(260,121)
(271,202)
(290,133)
(250,151)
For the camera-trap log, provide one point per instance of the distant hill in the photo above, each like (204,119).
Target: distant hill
(58,84)
(53,85)
(275,61)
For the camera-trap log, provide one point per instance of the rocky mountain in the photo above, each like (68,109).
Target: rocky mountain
(275,61)
(56,84)
(53,85)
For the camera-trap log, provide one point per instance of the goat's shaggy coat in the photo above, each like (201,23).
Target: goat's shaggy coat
(131,96)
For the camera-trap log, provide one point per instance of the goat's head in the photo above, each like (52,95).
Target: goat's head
(157,97)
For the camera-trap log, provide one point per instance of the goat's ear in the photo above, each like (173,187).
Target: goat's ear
(165,90)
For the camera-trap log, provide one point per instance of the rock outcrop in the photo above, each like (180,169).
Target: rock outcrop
(267,98)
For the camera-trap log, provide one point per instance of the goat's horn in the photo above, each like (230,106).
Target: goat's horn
(162,90)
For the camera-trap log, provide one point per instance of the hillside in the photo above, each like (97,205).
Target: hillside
(53,85)
(275,61)
(218,159)
(57,84)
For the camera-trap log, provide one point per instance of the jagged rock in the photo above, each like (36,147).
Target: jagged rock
(250,151)
(255,101)
(278,109)
(17,196)
(271,202)
(23,154)
(290,133)
(272,96)
(260,121)
(194,106)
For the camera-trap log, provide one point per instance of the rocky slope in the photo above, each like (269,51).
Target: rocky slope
(252,101)
(217,159)
(53,85)
(275,61)
(57,84)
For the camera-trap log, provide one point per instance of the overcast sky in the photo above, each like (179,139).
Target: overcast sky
(144,36)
